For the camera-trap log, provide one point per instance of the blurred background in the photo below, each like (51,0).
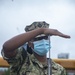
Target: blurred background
(60,14)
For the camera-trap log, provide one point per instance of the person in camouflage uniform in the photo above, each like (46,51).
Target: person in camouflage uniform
(23,60)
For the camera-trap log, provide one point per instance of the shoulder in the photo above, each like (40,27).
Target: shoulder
(20,53)
(58,68)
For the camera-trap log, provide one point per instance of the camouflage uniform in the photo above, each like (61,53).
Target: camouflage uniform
(25,63)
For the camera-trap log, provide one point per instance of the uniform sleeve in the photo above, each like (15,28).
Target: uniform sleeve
(18,60)
(61,69)
(64,72)
(58,69)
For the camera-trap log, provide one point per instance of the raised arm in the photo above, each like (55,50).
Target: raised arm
(17,41)
(21,39)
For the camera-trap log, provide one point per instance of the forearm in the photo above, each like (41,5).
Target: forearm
(19,40)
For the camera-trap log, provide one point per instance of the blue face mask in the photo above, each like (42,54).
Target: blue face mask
(41,47)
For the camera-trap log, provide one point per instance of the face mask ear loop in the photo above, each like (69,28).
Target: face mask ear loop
(49,60)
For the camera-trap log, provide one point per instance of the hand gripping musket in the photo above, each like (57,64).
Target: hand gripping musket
(49,62)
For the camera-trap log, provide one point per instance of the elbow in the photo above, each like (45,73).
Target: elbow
(5,47)
(7,52)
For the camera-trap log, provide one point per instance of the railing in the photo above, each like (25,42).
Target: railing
(3,63)
(66,63)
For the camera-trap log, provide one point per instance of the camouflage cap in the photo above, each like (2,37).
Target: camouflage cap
(36,25)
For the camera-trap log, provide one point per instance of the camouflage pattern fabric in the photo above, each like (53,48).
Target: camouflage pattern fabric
(36,25)
(56,68)
(26,64)
(23,64)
